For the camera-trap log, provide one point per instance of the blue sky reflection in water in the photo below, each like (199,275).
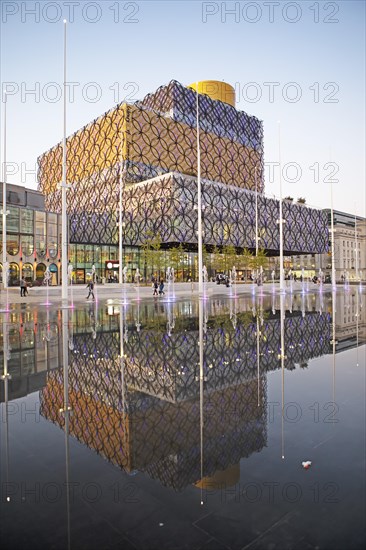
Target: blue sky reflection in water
(150,438)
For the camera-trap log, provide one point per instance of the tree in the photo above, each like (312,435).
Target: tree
(301,200)
(205,255)
(229,252)
(246,259)
(151,253)
(176,255)
(217,259)
(260,260)
(288,198)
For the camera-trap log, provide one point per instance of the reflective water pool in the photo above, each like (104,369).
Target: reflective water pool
(184,424)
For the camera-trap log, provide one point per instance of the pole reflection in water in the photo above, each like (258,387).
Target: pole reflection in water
(321,303)
(282,357)
(358,313)
(233,312)
(303,305)
(66,409)
(5,378)
(201,379)
(333,342)
(122,369)
(259,324)
(170,318)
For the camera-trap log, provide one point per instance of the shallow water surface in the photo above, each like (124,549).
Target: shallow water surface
(184,424)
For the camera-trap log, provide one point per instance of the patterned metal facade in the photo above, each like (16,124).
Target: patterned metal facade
(149,138)
(166,206)
(149,149)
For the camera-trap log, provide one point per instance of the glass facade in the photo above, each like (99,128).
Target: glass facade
(52,235)
(27,243)
(26,220)
(12,220)
(28,272)
(12,244)
(41,234)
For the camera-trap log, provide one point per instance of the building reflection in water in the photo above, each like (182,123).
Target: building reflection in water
(182,395)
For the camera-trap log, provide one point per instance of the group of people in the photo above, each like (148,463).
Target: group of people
(158,288)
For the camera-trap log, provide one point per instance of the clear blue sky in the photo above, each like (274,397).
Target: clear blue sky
(137,46)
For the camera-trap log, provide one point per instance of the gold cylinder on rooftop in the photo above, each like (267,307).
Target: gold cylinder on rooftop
(215,89)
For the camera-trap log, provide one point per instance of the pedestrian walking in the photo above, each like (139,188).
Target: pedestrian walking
(23,287)
(161,288)
(155,287)
(90,286)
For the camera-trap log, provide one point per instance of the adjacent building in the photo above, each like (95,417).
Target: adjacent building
(349,247)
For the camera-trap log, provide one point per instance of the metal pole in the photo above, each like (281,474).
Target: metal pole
(258,363)
(64,254)
(6,377)
(334,282)
(282,285)
(5,278)
(66,410)
(356,249)
(282,357)
(120,232)
(199,201)
(201,379)
(333,341)
(256,212)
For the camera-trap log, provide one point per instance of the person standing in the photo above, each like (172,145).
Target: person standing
(90,286)
(23,287)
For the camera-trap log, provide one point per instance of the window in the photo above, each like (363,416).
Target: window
(28,272)
(26,221)
(40,271)
(41,234)
(12,244)
(80,257)
(89,254)
(12,220)
(27,244)
(105,254)
(52,235)
(72,253)
(13,274)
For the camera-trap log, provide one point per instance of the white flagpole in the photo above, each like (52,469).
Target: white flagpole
(120,232)
(334,282)
(282,285)
(356,248)
(256,211)
(64,254)
(199,201)
(5,275)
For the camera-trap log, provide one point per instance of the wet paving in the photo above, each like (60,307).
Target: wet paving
(179,423)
